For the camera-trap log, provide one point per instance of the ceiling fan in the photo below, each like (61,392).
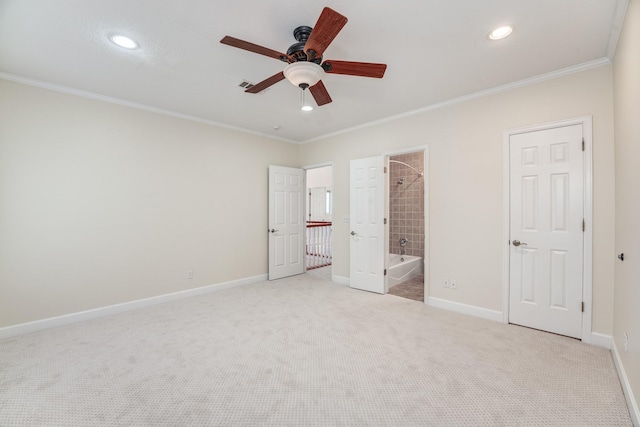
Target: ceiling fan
(305,58)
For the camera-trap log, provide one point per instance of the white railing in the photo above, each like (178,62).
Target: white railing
(318,244)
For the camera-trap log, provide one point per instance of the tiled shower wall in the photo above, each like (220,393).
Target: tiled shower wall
(406,204)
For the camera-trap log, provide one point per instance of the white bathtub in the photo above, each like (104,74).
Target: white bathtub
(403,268)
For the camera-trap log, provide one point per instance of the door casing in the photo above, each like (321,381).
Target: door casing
(587,274)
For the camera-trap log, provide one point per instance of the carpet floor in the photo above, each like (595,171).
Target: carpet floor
(303,351)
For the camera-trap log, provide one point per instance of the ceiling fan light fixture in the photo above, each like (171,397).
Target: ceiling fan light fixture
(304,104)
(500,32)
(303,73)
(303,58)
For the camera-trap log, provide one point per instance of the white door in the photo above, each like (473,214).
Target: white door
(367,224)
(546,230)
(286,222)
(317,203)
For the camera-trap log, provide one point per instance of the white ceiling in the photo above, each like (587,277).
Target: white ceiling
(436,50)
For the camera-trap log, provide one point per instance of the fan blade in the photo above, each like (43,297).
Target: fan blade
(362,69)
(266,83)
(327,28)
(241,44)
(320,94)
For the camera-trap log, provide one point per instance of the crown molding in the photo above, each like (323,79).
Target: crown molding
(495,90)
(111,100)
(616,27)
(620,11)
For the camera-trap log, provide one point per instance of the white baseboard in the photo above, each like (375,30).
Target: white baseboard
(626,386)
(600,340)
(341,280)
(470,310)
(52,322)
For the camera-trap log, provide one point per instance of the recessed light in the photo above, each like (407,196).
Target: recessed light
(306,108)
(123,41)
(500,32)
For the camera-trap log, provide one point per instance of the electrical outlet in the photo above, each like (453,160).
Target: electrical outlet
(626,342)
(190,274)
(446,283)
(454,285)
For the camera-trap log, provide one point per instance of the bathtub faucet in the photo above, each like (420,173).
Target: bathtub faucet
(403,245)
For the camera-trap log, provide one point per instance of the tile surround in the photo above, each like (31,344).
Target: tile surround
(406,204)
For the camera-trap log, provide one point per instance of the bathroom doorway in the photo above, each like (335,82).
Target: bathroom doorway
(319,217)
(407,196)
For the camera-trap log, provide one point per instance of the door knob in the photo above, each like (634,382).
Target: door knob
(273,230)
(518,243)
(353,233)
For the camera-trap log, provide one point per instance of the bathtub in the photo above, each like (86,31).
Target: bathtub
(403,268)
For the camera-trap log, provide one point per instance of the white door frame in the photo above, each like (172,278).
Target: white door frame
(427,266)
(587,271)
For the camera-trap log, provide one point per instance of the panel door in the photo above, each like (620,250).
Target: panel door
(367,224)
(286,222)
(546,235)
(317,203)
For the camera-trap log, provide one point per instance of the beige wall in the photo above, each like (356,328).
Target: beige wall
(627,154)
(465,181)
(320,177)
(103,204)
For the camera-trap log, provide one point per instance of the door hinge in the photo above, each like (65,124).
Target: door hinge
(385,271)
(583,306)
(385,220)
(584,225)
(385,169)
(582,143)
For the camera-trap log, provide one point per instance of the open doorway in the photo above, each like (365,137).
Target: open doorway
(319,226)
(406,232)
